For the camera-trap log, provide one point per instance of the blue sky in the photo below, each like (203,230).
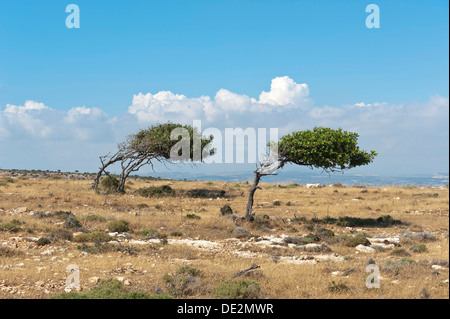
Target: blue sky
(198,48)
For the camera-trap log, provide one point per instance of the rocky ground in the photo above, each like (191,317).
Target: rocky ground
(305,243)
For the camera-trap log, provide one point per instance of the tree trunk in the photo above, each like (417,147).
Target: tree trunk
(265,169)
(248,214)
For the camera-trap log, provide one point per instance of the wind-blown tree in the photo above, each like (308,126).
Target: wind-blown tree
(167,143)
(326,148)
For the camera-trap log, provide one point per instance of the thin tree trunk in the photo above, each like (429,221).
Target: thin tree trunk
(248,213)
(264,170)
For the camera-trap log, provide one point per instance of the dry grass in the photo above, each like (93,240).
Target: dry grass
(26,273)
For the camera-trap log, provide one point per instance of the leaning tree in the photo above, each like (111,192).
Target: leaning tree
(167,143)
(326,148)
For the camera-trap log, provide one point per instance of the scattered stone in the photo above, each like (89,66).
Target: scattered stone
(437,267)
(364,249)
(240,232)
(47,252)
(20,210)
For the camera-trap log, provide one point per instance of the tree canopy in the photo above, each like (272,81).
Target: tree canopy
(158,142)
(326,148)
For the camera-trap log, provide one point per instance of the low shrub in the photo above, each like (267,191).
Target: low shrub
(183,282)
(109,289)
(61,234)
(226,210)
(10,227)
(337,288)
(43,241)
(418,248)
(353,240)
(109,183)
(238,289)
(94,218)
(156,191)
(120,226)
(400,252)
(176,233)
(92,237)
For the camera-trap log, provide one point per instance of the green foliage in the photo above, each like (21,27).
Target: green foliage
(94,218)
(400,252)
(323,148)
(176,233)
(353,240)
(43,241)
(109,289)
(61,234)
(183,282)
(110,183)
(157,143)
(418,248)
(205,193)
(238,289)
(226,210)
(337,288)
(150,233)
(10,227)
(92,237)
(383,221)
(156,191)
(192,216)
(72,222)
(120,226)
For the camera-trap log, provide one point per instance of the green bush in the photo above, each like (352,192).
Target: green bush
(61,234)
(192,216)
(238,289)
(226,210)
(43,241)
(149,233)
(418,248)
(10,227)
(337,288)
(109,183)
(94,218)
(109,289)
(383,221)
(276,203)
(400,252)
(92,237)
(120,226)
(73,223)
(176,233)
(184,281)
(353,240)
(156,191)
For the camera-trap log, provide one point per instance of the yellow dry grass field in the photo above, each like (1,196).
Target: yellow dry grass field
(309,243)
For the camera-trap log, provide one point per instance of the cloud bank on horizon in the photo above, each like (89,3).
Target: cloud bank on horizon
(409,137)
